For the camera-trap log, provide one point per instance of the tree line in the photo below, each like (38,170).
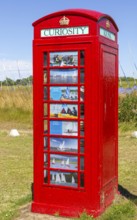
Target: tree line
(11,82)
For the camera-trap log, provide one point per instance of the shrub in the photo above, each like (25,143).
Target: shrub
(128,108)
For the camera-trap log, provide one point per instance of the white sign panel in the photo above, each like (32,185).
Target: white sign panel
(107,34)
(69,31)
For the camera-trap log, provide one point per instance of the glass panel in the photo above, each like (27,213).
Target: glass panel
(64,76)
(64,93)
(45,58)
(64,178)
(82,180)
(45,110)
(45,176)
(81,163)
(69,58)
(45,160)
(81,110)
(82,93)
(64,128)
(81,128)
(45,76)
(82,58)
(82,144)
(82,75)
(64,111)
(65,162)
(45,143)
(64,144)
(45,93)
(45,126)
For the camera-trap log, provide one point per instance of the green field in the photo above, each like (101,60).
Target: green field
(16,163)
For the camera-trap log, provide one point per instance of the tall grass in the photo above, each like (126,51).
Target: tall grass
(16,104)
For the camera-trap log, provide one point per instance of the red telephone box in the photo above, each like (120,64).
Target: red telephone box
(75,59)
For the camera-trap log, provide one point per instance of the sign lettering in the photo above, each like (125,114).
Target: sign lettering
(107,34)
(56,32)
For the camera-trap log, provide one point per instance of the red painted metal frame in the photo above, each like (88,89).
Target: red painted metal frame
(101,75)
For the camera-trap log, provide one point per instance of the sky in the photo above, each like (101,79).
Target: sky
(16,31)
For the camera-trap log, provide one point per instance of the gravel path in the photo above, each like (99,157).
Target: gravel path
(26,214)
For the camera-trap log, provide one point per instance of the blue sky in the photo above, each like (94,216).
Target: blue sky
(16,31)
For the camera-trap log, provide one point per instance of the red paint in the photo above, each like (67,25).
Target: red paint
(96,183)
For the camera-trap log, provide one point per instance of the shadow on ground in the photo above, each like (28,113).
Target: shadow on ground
(124,192)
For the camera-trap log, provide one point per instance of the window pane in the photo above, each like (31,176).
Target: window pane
(45,93)
(64,178)
(81,163)
(64,111)
(65,76)
(81,110)
(82,145)
(64,145)
(82,90)
(82,128)
(82,75)
(45,176)
(45,76)
(69,58)
(45,110)
(65,162)
(64,93)
(45,160)
(82,58)
(45,143)
(45,58)
(45,126)
(64,128)
(82,180)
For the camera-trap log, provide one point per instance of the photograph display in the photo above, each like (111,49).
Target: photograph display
(69,179)
(69,58)
(64,111)
(65,76)
(64,128)
(64,145)
(63,93)
(65,162)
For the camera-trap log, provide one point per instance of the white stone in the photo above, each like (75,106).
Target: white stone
(134,134)
(14,133)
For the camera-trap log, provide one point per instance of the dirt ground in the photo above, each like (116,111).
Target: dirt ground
(26,214)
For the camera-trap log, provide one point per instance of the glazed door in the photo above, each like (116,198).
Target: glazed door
(59,116)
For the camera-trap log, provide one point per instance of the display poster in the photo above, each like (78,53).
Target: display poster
(64,93)
(66,162)
(63,76)
(69,58)
(64,145)
(64,178)
(64,111)
(64,128)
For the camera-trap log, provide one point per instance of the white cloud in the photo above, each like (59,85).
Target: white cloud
(15,69)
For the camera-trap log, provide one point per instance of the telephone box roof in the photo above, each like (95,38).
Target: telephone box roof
(94,15)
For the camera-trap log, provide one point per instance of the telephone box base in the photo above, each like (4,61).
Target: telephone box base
(63,211)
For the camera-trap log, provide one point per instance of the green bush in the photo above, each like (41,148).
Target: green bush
(128,108)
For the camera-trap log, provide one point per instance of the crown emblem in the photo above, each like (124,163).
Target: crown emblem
(64,21)
(108,24)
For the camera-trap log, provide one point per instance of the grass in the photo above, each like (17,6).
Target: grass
(16,160)
(16,105)
(15,173)
(16,177)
